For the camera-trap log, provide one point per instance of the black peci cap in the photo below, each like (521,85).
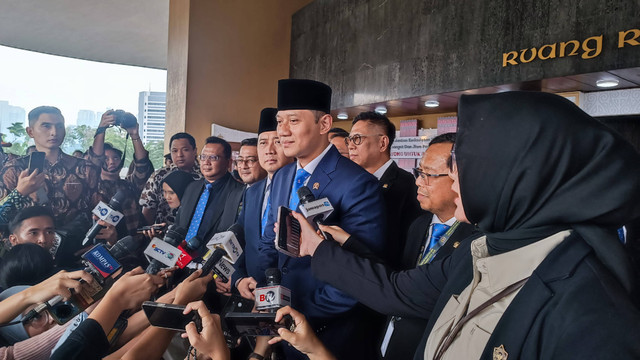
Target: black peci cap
(268,120)
(303,94)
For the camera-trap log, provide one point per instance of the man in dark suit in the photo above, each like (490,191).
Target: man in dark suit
(210,205)
(255,204)
(303,123)
(369,143)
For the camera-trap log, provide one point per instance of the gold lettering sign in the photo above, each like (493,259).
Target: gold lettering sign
(589,48)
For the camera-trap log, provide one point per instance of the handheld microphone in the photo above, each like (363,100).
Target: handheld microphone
(273,296)
(228,242)
(314,210)
(111,214)
(216,262)
(173,237)
(126,246)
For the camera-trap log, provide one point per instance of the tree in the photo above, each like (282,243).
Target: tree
(156,153)
(20,139)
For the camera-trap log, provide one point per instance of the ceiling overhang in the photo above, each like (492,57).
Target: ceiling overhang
(117,31)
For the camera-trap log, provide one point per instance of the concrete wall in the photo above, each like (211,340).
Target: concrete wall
(377,50)
(225,58)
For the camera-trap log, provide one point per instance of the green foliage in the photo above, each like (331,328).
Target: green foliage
(156,153)
(78,138)
(20,139)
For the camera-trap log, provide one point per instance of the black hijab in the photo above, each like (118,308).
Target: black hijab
(531,164)
(178,181)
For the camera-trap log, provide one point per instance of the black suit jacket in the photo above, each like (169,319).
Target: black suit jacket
(408,330)
(399,191)
(221,211)
(570,308)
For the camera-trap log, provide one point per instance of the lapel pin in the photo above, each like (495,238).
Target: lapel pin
(385,186)
(456,244)
(316,186)
(499,353)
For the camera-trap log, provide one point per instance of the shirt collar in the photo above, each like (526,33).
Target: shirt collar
(313,164)
(382,169)
(502,270)
(436,220)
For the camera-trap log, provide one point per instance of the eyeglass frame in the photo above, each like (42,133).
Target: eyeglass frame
(358,136)
(425,176)
(250,161)
(211,158)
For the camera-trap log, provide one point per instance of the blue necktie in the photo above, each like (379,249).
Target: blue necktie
(301,176)
(265,214)
(436,233)
(197,214)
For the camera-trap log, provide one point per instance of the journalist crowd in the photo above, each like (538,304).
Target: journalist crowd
(514,237)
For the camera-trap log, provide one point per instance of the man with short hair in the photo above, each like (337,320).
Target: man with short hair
(211,205)
(34,225)
(247,162)
(337,137)
(253,216)
(70,184)
(183,155)
(303,123)
(370,141)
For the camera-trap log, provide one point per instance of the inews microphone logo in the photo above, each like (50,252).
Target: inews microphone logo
(168,254)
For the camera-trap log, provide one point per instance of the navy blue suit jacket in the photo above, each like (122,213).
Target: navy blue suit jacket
(358,209)
(251,218)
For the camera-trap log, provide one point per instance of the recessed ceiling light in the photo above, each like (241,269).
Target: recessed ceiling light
(381,110)
(607,83)
(431,103)
(343,116)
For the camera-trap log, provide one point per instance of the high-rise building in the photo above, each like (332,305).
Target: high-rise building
(151,115)
(10,114)
(88,118)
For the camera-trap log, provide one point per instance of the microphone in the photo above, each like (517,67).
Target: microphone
(314,210)
(273,296)
(228,242)
(125,246)
(172,238)
(215,260)
(111,214)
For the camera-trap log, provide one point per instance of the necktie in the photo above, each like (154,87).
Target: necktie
(301,176)
(265,212)
(437,230)
(197,214)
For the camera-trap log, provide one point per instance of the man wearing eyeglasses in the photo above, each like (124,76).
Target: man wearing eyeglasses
(211,205)
(370,147)
(247,163)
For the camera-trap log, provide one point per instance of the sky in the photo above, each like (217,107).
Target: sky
(29,79)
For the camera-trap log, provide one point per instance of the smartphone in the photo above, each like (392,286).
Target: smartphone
(149,227)
(169,316)
(36,161)
(288,236)
(256,324)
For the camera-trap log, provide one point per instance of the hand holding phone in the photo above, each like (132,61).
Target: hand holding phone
(209,339)
(169,316)
(36,162)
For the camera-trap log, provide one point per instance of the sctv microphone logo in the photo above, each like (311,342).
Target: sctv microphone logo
(169,255)
(269,297)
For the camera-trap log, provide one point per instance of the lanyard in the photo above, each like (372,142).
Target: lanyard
(429,255)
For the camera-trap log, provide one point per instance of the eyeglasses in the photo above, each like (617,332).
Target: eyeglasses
(453,166)
(357,138)
(248,161)
(424,176)
(211,158)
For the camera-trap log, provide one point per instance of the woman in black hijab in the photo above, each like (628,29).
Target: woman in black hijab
(542,179)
